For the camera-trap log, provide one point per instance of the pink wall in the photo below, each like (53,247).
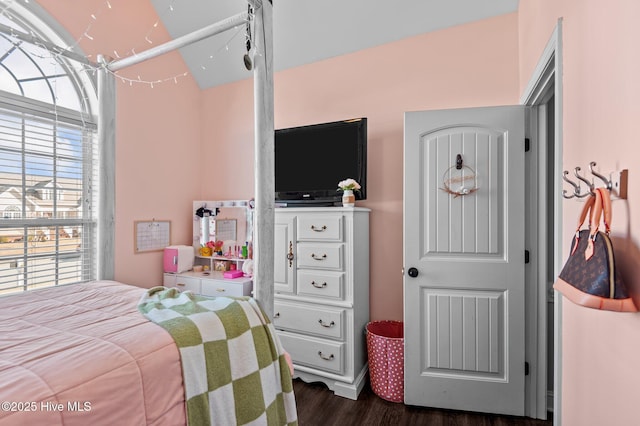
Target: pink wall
(158,134)
(470,65)
(601,68)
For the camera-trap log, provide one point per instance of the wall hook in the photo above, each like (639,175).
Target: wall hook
(606,181)
(589,184)
(458,161)
(616,184)
(576,187)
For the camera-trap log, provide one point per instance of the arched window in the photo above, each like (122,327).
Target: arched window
(48,144)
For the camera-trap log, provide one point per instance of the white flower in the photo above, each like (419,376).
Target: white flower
(348,184)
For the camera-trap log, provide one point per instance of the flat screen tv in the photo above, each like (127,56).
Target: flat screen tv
(311,160)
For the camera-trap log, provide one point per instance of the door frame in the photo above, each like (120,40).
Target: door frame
(545,81)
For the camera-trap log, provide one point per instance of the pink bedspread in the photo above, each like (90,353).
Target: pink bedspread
(83,355)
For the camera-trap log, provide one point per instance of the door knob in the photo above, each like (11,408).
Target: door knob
(413,272)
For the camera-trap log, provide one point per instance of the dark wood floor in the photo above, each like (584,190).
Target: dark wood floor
(317,405)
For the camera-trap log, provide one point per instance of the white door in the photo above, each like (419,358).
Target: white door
(464,259)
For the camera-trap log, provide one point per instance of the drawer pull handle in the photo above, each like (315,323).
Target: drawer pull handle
(290,254)
(276,315)
(323,257)
(316,285)
(322,229)
(326,358)
(180,284)
(325,325)
(220,290)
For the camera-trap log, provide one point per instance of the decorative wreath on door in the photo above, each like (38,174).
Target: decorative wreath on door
(459,179)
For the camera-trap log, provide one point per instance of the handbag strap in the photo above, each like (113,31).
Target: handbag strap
(587,208)
(595,223)
(606,215)
(596,214)
(606,208)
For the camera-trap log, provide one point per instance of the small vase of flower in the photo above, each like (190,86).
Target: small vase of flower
(208,249)
(348,186)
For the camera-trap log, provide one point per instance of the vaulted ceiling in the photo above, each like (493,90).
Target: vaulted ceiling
(306,31)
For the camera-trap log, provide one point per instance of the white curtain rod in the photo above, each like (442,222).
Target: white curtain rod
(208,31)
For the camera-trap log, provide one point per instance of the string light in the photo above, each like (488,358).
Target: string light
(147,36)
(226,45)
(55,53)
(151,84)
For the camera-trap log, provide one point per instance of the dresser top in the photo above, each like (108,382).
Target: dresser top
(323,209)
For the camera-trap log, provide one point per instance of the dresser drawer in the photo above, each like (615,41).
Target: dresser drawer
(317,255)
(315,283)
(226,288)
(313,352)
(320,321)
(188,283)
(320,228)
(169,280)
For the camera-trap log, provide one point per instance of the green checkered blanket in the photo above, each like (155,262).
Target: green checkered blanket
(233,364)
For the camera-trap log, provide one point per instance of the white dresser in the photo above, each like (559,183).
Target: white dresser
(209,283)
(321,302)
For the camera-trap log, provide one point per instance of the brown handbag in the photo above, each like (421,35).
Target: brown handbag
(589,277)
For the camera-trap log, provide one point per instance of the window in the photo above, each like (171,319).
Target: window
(48,162)
(12,212)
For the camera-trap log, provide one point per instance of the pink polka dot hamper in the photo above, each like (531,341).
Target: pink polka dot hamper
(385,347)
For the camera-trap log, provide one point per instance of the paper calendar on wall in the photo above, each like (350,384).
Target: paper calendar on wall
(151,235)
(226,229)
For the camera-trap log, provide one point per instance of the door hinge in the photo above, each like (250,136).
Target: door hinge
(527,145)
(526,256)
(526,368)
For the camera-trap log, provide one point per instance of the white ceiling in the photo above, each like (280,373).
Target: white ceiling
(305,31)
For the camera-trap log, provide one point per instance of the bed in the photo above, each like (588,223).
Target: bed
(84,354)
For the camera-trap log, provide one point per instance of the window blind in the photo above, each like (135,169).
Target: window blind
(48,196)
